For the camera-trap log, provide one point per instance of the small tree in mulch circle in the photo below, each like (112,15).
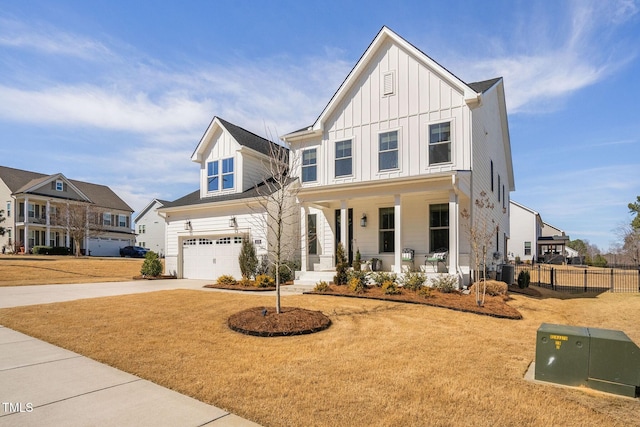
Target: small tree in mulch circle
(151,267)
(341,266)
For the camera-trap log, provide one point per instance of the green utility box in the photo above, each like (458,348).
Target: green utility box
(602,359)
(562,354)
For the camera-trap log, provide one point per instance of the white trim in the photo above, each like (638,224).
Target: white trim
(398,169)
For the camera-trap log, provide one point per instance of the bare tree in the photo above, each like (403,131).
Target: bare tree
(81,221)
(481,230)
(277,197)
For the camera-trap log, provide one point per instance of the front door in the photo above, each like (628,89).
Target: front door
(338,228)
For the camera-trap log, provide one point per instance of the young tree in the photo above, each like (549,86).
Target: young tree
(634,209)
(2,219)
(481,230)
(277,197)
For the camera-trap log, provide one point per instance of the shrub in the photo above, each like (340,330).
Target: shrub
(390,288)
(264,281)
(286,269)
(357,261)
(412,280)
(356,285)
(227,280)
(424,292)
(321,286)
(152,266)
(524,278)
(379,277)
(341,266)
(493,287)
(59,250)
(245,281)
(445,283)
(247,258)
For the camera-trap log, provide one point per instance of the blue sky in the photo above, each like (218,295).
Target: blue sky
(119,93)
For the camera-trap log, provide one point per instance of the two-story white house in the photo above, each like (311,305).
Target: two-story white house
(37,208)
(150,227)
(526,229)
(205,229)
(402,148)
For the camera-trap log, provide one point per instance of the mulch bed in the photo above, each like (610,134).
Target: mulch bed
(161,277)
(265,322)
(241,287)
(494,306)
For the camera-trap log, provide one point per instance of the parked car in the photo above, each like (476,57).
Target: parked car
(133,251)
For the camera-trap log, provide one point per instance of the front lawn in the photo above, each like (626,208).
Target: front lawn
(379,364)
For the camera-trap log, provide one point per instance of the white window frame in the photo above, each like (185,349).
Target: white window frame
(59,185)
(223,174)
(310,165)
(213,175)
(122,220)
(397,150)
(451,122)
(106,219)
(336,159)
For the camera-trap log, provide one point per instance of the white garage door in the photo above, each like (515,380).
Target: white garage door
(210,258)
(106,247)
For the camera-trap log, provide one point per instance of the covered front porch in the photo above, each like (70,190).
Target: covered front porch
(395,225)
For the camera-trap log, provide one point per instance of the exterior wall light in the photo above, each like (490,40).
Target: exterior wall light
(232,222)
(187,225)
(363,220)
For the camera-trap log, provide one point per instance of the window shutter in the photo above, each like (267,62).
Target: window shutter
(53,185)
(65,186)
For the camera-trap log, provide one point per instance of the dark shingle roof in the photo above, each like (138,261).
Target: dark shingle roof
(17,180)
(248,139)
(194,198)
(484,85)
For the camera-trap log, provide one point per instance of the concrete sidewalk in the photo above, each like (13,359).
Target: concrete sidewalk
(45,385)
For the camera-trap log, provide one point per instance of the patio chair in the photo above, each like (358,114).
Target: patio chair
(435,259)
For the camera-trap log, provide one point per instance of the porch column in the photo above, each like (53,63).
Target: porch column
(344,227)
(454,235)
(304,253)
(48,222)
(397,235)
(67,240)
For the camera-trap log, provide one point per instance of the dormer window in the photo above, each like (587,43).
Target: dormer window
(59,185)
(214,176)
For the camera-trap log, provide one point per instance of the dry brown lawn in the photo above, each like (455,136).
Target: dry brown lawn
(18,270)
(379,364)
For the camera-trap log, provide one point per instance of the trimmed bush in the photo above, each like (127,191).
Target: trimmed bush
(355,285)
(41,250)
(152,266)
(412,280)
(524,278)
(264,281)
(390,288)
(287,269)
(60,250)
(379,277)
(227,280)
(321,286)
(341,266)
(494,288)
(248,259)
(445,283)
(424,292)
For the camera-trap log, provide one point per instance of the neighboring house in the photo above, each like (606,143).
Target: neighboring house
(205,229)
(400,151)
(532,239)
(526,229)
(150,229)
(37,208)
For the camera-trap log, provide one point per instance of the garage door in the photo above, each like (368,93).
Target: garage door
(106,247)
(210,258)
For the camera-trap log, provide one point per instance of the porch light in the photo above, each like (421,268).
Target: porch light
(232,222)
(187,225)
(363,220)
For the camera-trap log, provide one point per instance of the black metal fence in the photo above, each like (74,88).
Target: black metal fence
(576,279)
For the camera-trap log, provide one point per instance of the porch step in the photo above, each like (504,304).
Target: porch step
(313,277)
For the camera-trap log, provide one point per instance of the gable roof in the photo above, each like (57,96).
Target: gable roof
(471,91)
(147,208)
(242,137)
(22,181)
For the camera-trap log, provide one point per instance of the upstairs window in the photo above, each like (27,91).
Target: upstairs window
(8,209)
(142,229)
(440,143)
(122,221)
(344,165)
(388,151)
(309,165)
(59,185)
(106,218)
(212,176)
(227,173)
(527,248)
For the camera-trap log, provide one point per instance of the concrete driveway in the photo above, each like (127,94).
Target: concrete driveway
(45,385)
